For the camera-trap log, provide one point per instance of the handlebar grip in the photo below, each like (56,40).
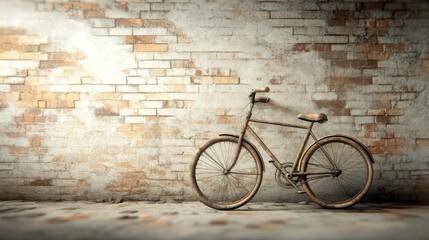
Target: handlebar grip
(263,89)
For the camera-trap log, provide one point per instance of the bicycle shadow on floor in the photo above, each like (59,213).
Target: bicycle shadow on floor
(359,208)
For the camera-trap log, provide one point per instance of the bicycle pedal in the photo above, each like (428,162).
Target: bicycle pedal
(300,192)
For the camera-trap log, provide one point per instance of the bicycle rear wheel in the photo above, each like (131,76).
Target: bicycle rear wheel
(350,178)
(217,188)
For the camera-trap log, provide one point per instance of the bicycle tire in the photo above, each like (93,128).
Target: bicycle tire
(218,189)
(348,185)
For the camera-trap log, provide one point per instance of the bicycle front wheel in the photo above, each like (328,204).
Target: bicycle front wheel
(214,185)
(341,180)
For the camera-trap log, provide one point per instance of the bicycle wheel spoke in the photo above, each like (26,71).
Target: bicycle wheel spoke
(209,165)
(209,157)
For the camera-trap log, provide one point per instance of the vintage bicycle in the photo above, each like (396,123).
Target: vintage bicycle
(334,171)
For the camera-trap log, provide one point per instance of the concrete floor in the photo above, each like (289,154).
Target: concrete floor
(192,220)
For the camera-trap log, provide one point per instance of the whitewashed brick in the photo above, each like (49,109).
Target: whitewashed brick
(121,31)
(139,6)
(134,119)
(103,88)
(70,88)
(102,22)
(166,39)
(147,112)
(4,88)
(172,56)
(364,120)
(100,31)
(144,56)
(5,64)
(154,64)
(133,96)
(127,88)
(151,104)
(14,80)
(136,80)
(180,72)
(174,80)
(7,72)
(324,96)
(24,63)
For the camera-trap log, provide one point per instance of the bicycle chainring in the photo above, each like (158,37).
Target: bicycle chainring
(281,179)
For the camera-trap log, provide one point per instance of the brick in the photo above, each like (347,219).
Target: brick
(174,80)
(395,48)
(216,80)
(39,182)
(140,39)
(150,47)
(56,64)
(120,31)
(136,80)
(149,31)
(25,96)
(371,64)
(14,80)
(7,72)
(147,112)
(372,6)
(18,150)
(158,23)
(93,14)
(4,88)
(378,56)
(285,14)
(172,56)
(103,23)
(85,6)
(118,13)
(329,96)
(137,6)
(370,48)
(166,39)
(339,80)
(124,22)
(154,64)
(133,119)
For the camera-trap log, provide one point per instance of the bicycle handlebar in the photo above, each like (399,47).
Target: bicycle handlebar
(253,98)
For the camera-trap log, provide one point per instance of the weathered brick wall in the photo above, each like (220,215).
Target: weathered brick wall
(105,98)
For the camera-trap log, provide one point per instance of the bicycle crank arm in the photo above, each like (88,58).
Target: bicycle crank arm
(280,167)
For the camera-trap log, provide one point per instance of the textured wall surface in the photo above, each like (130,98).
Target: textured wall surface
(108,98)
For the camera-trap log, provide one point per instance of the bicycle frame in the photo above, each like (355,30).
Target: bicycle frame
(296,163)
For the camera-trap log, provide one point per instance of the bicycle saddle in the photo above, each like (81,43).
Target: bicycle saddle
(313,117)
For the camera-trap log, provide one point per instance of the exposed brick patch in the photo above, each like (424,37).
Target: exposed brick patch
(340,18)
(370,64)
(40,182)
(136,22)
(339,83)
